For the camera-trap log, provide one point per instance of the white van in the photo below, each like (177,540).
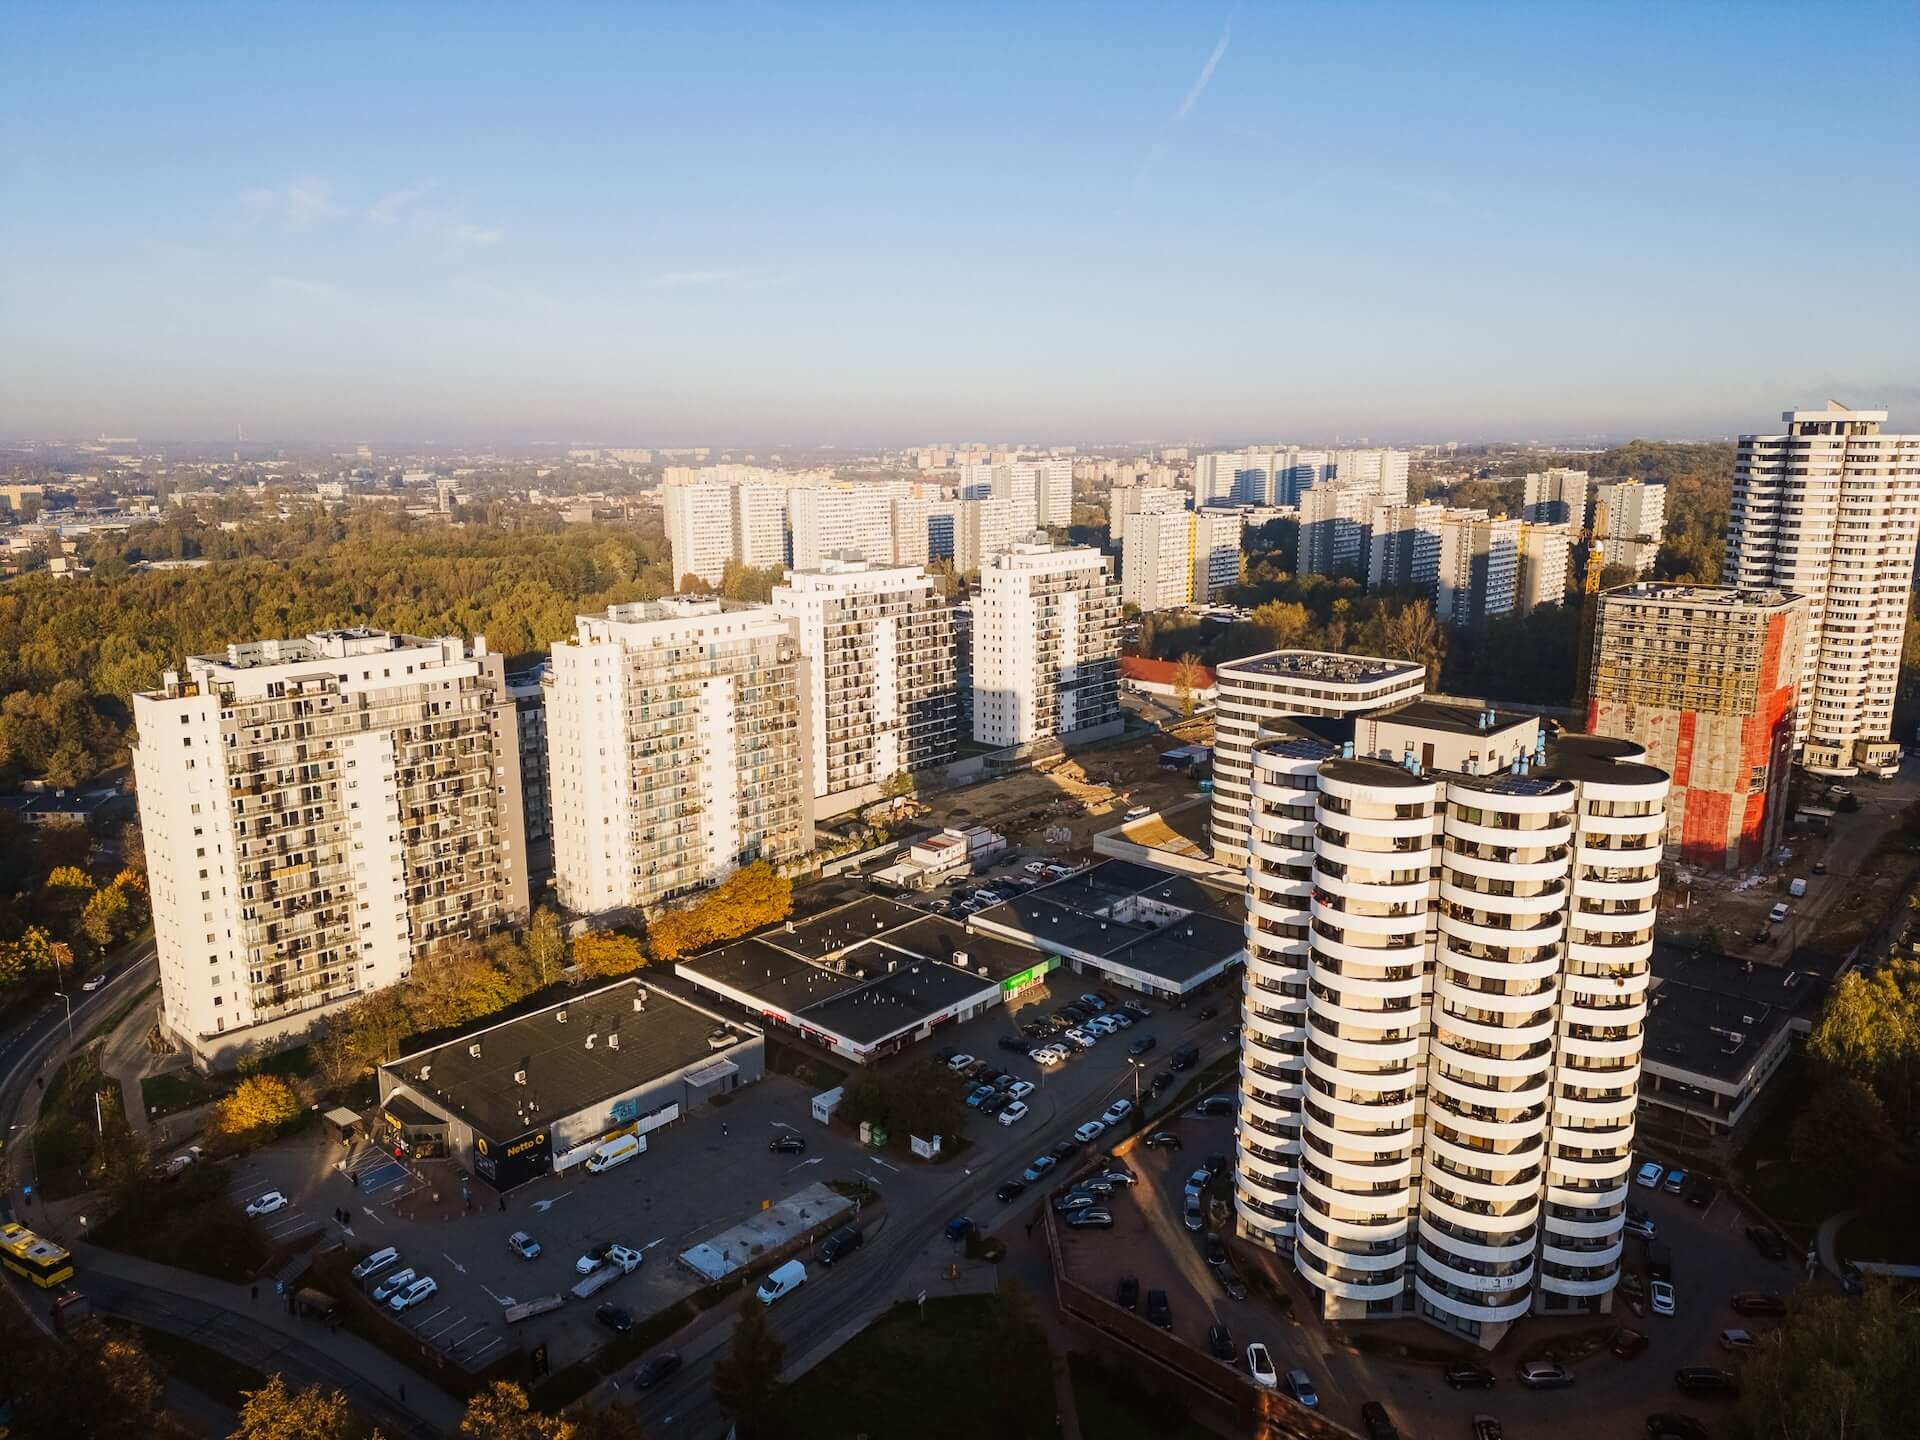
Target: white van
(1797,888)
(615,1152)
(783,1281)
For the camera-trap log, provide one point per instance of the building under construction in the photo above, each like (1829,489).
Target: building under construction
(1706,677)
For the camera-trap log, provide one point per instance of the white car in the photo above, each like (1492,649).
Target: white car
(94,984)
(1090,1132)
(1650,1175)
(959,1063)
(1778,913)
(1117,1112)
(627,1258)
(1660,1297)
(376,1262)
(1046,1055)
(394,1284)
(1014,1113)
(413,1294)
(1084,1039)
(1260,1367)
(266,1204)
(1020,1089)
(1035,867)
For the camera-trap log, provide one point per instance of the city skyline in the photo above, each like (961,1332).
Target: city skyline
(873,229)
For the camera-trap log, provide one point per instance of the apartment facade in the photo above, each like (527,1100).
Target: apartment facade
(1479,571)
(1541,553)
(678,746)
(1336,525)
(1403,546)
(1831,510)
(833,521)
(529,698)
(700,523)
(1272,475)
(1707,677)
(1281,683)
(1446,990)
(320,813)
(1629,519)
(1177,558)
(878,646)
(1556,497)
(760,525)
(981,528)
(1131,500)
(1046,645)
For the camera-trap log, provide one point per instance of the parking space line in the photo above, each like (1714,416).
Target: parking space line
(422,1324)
(486,1347)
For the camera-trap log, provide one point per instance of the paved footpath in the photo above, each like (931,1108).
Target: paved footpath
(262,1334)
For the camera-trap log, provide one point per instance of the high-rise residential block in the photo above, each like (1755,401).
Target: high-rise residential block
(1046,645)
(319,813)
(829,522)
(1180,557)
(982,528)
(700,523)
(878,646)
(678,745)
(1279,684)
(1128,501)
(1707,677)
(1628,520)
(1215,539)
(1449,929)
(1403,545)
(1556,497)
(1384,470)
(528,693)
(1336,522)
(1831,510)
(1542,551)
(760,523)
(1479,573)
(1274,475)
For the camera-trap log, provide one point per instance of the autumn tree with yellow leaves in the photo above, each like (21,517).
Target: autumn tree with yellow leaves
(257,1107)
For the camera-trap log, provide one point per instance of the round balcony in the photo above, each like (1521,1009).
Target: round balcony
(1477,1092)
(1403,930)
(1261,1224)
(1541,968)
(1560,1285)
(1385,1204)
(1613,856)
(1463,1152)
(1332,851)
(1475,1215)
(1412,892)
(1455,997)
(1518,1184)
(1626,1047)
(1501,837)
(1586,952)
(1390,1228)
(1551,902)
(1338,1284)
(1450,1027)
(1497,1307)
(1558,1194)
(1535,1062)
(1619,1108)
(1388,1257)
(1476,932)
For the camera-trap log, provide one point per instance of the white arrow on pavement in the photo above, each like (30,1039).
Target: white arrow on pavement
(453,1262)
(371,1216)
(545,1205)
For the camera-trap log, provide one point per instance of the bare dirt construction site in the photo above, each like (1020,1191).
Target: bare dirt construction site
(1082,793)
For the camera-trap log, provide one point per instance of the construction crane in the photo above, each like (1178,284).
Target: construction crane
(1589,622)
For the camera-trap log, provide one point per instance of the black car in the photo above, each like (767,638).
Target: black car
(787,1144)
(1129,1296)
(1676,1427)
(1217,1163)
(614,1318)
(840,1244)
(1216,1251)
(1767,1242)
(1231,1282)
(994,1104)
(1014,1043)
(943,1054)
(1758,1302)
(1186,1057)
(1066,1147)
(1160,1082)
(1376,1422)
(1485,1427)
(1091,1219)
(1207,1012)
(1135,1008)
(1143,1044)
(1010,1191)
(1158,1311)
(655,1368)
(1469,1377)
(1064,1016)
(1220,1343)
(1161,1138)
(1701,1194)
(1706,1380)
(1215,1105)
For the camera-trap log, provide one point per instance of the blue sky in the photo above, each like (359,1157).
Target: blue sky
(859,224)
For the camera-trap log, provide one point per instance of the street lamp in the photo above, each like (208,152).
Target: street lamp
(33,1152)
(69,1002)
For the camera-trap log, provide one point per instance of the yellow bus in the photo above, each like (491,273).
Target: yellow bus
(38,1261)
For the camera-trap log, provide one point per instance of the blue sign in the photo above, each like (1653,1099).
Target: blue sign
(626,1111)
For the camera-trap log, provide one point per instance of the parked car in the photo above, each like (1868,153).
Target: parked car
(1093,1002)
(1485,1427)
(1091,1220)
(1163,1139)
(376,1262)
(1094,1185)
(1141,1045)
(1135,1009)
(1627,1342)
(1376,1422)
(1231,1282)
(655,1368)
(1650,1174)
(1216,1251)
(1129,1294)
(959,1227)
(787,1144)
(1186,1058)
(996,1103)
(1090,1132)
(614,1318)
(419,1290)
(1158,1311)
(1193,1217)
(1701,1196)
(782,1281)
(524,1245)
(1065,1148)
(1215,1105)
(1207,1012)
(1767,1241)
(1660,1297)
(1676,1427)
(1468,1377)
(1300,1388)
(1013,1113)
(1217,1163)
(1010,1192)
(1117,1173)
(1260,1367)
(976,1095)
(1676,1182)
(1020,1089)
(394,1284)
(1705,1380)
(1736,1341)
(1544,1375)
(1116,1112)
(1758,1302)
(1085,1039)
(266,1204)
(958,1063)
(1643,1227)
(1075,1200)
(1220,1343)
(1012,1043)
(840,1244)
(1040,1166)
(1197,1182)
(1777,913)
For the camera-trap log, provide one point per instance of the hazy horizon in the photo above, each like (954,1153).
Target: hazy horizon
(764,228)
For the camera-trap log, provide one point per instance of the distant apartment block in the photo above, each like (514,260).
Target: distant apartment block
(1131,500)
(982,528)
(1276,475)
(833,522)
(760,523)
(1046,645)
(699,520)
(1384,470)
(1543,556)
(878,646)
(1556,497)
(529,698)
(1831,510)
(1288,683)
(1629,519)
(1707,678)
(1479,574)
(1403,546)
(1179,558)
(678,745)
(320,813)
(1336,522)
(1039,493)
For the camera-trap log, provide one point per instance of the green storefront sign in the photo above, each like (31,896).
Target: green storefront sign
(1033,975)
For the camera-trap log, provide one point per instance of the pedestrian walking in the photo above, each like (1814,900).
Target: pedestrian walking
(503,1204)
(723,1127)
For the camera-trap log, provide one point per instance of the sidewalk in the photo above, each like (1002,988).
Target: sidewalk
(226,1317)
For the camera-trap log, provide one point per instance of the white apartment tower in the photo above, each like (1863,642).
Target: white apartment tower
(1628,520)
(1831,510)
(1556,497)
(1479,571)
(1449,933)
(1132,500)
(1542,579)
(878,646)
(700,525)
(1181,557)
(982,528)
(760,523)
(830,522)
(1403,545)
(1384,470)
(319,813)
(1315,684)
(1046,645)
(677,749)
(1336,523)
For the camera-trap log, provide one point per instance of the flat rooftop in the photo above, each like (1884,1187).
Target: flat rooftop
(938,938)
(902,997)
(1324,666)
(777,979)
(564,1074)
(1700,1002)
(842,927)
(1703,597)
(1452,719)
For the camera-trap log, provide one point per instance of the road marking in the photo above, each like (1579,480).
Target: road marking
(420,1325)
(370,1215)
(803,1164)
(453,1262)
(486,1347)
(502,1300)
(651,1243)
(545,1205)
(882,1164)
(781,1125)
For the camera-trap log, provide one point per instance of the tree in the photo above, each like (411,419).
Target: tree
(1839,1368)
(502,1412)
(68,877)
(258,1106)
(751,897)
(546,947)
(1186,679)
(608,953)
(918,1100)
(1843,1129)
(1869,1030)
(105,915)
(274,1412)
(746,1380)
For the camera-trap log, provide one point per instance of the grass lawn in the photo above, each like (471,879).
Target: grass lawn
(968,1366)
(212,1372)
(1113,1406)
(172,1091)
(67,1139)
